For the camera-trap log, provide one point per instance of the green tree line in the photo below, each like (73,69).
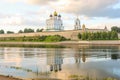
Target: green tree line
(115,28)
(29,30)
(110,35)
(54,38)
(26,30)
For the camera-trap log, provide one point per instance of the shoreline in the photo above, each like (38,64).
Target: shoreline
(2,77)
(99,42)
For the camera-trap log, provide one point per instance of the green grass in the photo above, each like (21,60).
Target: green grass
(54,38)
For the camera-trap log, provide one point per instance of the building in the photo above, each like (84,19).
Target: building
(54,23)
(54,26)
(77,25)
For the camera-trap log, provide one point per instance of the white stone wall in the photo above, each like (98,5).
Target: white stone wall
(70,34)
(119,35)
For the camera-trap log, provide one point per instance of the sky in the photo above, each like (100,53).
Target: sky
(16,15)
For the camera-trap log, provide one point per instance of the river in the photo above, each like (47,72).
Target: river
(94,62)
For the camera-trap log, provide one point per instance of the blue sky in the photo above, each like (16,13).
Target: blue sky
(19,14)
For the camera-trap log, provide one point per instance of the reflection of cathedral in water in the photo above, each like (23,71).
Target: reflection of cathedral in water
(55,60)
(80,55)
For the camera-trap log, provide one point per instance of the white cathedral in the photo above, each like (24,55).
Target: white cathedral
(55,23)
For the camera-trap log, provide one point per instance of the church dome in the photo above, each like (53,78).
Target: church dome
(59,15)
(83,26)
(105,28)
(51,15)
(77,19)
(55,13)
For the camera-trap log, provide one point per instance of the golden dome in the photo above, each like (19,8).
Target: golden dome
(55,13)
(83,26)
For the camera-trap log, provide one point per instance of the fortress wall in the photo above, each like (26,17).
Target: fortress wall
(70,34)
(96,30)
(119,35)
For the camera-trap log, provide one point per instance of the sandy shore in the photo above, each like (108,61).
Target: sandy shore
(12,78)
(8,78)
(100,42)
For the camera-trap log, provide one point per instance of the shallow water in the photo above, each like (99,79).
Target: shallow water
(91,61)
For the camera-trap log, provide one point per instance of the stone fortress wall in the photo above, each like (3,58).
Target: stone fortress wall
(119,35)
(70,34)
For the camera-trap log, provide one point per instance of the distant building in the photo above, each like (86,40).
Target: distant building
(54,23)
(77,25)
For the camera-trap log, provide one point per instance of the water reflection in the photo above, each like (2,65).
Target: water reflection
(55,59)
(102,61)
(80,55)
(115,56)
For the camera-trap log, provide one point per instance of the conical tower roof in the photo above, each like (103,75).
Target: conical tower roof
(55,13)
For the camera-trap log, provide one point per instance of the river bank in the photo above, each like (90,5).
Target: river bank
(8,78)
(99,42)
(13,78)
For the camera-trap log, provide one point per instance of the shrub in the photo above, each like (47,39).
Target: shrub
(111,35)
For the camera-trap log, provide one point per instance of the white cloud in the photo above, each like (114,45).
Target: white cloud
(13,20)
(33,2)
(91,8)
(69,9)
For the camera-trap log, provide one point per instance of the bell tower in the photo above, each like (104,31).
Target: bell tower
(77,25)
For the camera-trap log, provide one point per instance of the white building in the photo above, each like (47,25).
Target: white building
(54,23)
(77,25)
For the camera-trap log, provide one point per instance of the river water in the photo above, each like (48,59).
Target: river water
(97,62)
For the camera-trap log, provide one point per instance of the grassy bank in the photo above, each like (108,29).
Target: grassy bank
(54,38)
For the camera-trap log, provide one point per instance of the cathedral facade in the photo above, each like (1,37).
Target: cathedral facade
(54,23)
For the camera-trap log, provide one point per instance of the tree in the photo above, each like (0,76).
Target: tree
(97,35)
(104,34)
(42,38)
(89,36)
(28,30)
(83,36)
(114,35)
(10,32)
(39,30)
(2,31)
(115,28)
(111,35)
(92,36)
(86,35)
(79,36)
(55,38)
(20,31)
